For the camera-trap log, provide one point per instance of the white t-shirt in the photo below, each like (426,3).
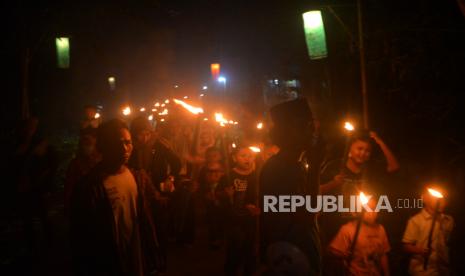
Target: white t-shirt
(417,232)
(121,190)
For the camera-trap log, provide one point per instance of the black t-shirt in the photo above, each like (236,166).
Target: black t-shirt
(372,177)
(352,181)
(284,175)
(245,191)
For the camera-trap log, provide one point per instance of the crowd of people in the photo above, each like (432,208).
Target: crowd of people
(134,186)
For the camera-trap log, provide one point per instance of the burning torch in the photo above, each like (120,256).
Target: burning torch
(364,200)
(437,195)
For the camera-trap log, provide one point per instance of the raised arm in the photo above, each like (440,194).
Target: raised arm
(392,163)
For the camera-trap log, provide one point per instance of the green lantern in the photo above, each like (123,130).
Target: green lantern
(62,45)
(315,35)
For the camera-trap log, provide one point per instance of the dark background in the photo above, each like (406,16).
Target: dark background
(415,55)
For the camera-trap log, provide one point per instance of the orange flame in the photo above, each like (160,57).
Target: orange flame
(363,198)
(348,126)
(126,111)
(255,149)
(188,107)
(435,193)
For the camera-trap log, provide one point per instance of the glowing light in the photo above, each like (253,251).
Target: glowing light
(176,86)
(435,193)
(215,70)
(260,125)
(62,51)
(142,109)
(204,87)
(363,198)
(167,101)
(126,111)
(205,119)
(154,110)
(220,119)
(233,145)
(188,107)
(202,95)
(163,105)
(348,126)
(150,118)
(221,79)
(185,97)
(97,115)
(164,112)
(112,82)
(315,34)
(255,149)
(162,120)
(236,123)
(157,104)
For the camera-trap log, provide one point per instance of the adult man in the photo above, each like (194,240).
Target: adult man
(287,173)
(109,213)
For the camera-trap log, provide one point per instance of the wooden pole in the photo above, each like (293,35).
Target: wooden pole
(430,235)
(25,85)
(363,78)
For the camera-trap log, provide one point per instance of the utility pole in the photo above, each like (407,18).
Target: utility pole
(25,112)
(363,77)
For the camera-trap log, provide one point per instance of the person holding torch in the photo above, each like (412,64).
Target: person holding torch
(427,236)
(348,175)
(362,244)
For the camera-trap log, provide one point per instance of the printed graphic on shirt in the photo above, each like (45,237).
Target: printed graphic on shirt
(240,185)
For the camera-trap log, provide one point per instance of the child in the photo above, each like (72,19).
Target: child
(239,203)
(369,256)
(416,234)
(213,174)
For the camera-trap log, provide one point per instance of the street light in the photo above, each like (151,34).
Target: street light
(112,83)
(222,79)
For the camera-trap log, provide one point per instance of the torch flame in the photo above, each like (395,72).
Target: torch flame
(220,119)
(363,198)
(223,121)
(348,126)
(142,109)
(260,125)
(126,111)
(188,107)
(97,115)
(435,193)
(165,112)
(255,149)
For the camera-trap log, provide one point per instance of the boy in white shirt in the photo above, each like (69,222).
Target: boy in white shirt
(415,239)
